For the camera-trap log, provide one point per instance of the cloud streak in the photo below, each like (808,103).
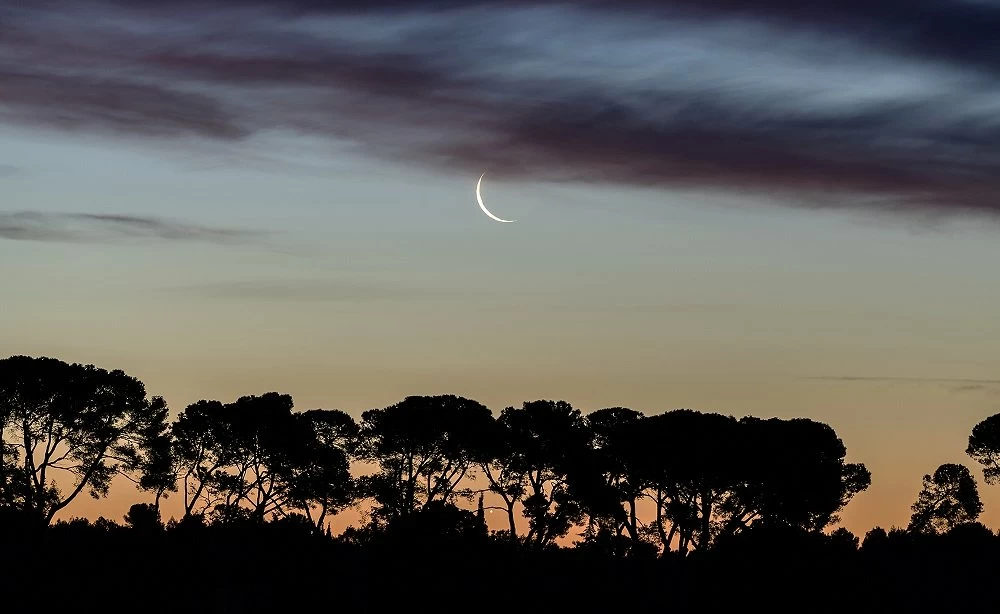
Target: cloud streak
(322,290)
(887,109)
(104,228)
(919,380)
(956,385)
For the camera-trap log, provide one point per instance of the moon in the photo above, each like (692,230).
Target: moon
(479,197)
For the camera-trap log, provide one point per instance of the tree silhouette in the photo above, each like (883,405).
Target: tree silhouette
(984,447)
(266,440)
(160,472)
(71,421)
(875,539)
(548,439)
(15,486)
(607,487)
(254,458)
(695,469)
(254,471)
(321,483)
(438,524)
(504,469)
(714,476)
(843,538)
(202,450)
(948,499)
(424,447)
(144,517)
(796,474)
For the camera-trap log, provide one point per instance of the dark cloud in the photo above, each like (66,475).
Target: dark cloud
(102,228)
(73,102)
(953,30)
(962,30)
(889,106)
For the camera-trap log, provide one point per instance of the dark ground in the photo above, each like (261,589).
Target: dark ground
(272,569)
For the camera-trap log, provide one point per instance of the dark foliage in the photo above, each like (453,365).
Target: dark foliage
(438,559)
(69,429)
(948,499)
(742,509)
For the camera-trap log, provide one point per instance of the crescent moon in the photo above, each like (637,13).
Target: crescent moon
(479,197)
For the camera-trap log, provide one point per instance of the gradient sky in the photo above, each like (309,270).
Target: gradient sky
(742,207)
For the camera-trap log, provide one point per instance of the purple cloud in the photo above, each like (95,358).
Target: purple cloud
(890,107)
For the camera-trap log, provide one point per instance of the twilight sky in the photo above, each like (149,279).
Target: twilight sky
(760,208)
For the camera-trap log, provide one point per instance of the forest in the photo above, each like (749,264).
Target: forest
(677,511)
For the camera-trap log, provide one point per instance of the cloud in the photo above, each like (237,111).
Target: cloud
(71,102)
(6,170)
(960,384)
(648,308)
(890,108)
(104,228)
(953,385)
(314,290)
(954,30)
(971,388)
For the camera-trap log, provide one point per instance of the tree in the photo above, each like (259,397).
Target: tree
(14,484)
(844,540)
(266,441)
(435,526)
(71,422)
(606,485)
(547,440)
(201,453)
(696,467)
(984,447)
(160,473)
(254,458)
(144,518)
(321,483)
(795,474)
(949,498)
(875,540)
(715,476)
(505,473)
(424,447)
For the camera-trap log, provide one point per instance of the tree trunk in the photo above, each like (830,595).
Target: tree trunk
(659,522)
(632,525)
(706,520)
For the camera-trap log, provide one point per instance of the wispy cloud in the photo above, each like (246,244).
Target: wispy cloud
(973,388)
(648,308)
(843,104)
(936,380)
(956,385)
(105,228)
(324,290)
(960,384)
(6,170)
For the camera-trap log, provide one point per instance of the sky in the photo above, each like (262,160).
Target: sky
(762,208)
